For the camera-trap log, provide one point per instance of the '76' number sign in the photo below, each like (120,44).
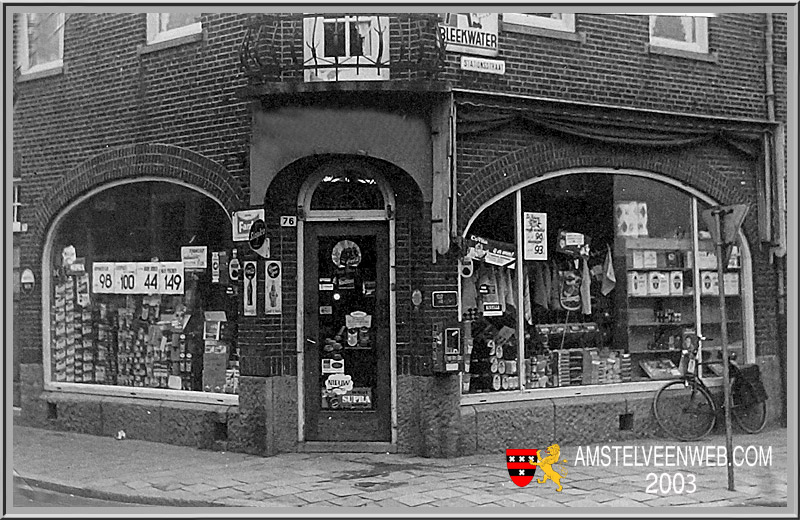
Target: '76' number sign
(137,278)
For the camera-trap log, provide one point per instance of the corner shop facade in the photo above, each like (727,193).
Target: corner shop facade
(403,155)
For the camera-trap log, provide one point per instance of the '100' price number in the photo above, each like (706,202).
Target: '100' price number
(137,278)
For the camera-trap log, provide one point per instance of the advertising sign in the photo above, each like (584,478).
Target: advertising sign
(194,257)
(273,283)
(490,251)
(250,290)
(535,236)
(170,277)
(470,33)
(243,220)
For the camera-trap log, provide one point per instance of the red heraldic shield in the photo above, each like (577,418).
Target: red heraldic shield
(521,465)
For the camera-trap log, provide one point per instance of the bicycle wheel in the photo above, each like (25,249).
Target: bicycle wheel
(748,412)
(684,411)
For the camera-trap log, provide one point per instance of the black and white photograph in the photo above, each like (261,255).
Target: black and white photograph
(367,260)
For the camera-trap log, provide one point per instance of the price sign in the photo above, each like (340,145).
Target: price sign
(535,231)
(170,277)
(125,278)
(103,277)
(147,277)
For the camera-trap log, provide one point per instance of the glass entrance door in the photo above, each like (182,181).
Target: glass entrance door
(347,352)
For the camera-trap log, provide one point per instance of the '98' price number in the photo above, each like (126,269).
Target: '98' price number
(137,278)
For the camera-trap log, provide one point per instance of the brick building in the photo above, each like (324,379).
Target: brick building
(477,227)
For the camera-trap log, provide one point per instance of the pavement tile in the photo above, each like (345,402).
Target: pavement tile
(248,488)
(453,502)
(415,499)
(350,501)
(440,494)
(138,484)
(481,498)
(199,488)
(315,496)
(387,502)
(624,502)
(279,491)
(344,491)
(639,496)
(583,502)
(671,500)
(224,493)
(380,494)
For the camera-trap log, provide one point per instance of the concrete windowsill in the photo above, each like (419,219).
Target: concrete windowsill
(176,42)
(711,57)
(540,31)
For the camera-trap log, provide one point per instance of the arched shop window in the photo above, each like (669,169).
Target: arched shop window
(615,269)
(133,298)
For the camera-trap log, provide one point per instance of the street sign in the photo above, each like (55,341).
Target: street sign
(731,219)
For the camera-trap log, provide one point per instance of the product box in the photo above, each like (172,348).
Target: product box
(706,260)
(658,284)
(650,259)
(676,283)
(626,218)
(730,283)
(637,283)
(638,259)
(709,282)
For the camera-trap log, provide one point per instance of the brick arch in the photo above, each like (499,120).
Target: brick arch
(157,161)
(539,159)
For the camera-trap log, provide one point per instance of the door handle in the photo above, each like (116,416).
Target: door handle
(311,341)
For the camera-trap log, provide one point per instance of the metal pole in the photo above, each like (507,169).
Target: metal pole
(726,378)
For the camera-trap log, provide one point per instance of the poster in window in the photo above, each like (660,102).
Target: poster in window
(535,236)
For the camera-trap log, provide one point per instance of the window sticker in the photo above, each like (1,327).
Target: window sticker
(346,253)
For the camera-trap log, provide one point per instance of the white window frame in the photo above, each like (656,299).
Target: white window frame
(15,206)
(314,36)
(701,30)
(154,35)
(24,48)
(565,24)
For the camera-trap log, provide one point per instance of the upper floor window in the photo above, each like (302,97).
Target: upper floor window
(168,26)
(41,41)
(346,48)
(687,33)
(553,21)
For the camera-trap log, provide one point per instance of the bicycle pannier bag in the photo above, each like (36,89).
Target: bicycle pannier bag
(752,375)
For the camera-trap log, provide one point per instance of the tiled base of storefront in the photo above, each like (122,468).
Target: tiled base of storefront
(430,422)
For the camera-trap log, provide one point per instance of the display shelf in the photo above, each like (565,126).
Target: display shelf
(656,351)
(661,269)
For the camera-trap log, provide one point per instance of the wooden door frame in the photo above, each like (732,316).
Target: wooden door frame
(306,214)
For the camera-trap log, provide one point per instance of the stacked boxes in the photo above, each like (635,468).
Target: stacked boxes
(625,367)
(59,333)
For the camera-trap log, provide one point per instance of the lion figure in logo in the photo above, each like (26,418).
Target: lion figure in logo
(547,463)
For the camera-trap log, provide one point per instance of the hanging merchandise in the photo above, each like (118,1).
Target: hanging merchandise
(609,278)
(573,244)
(586,281)
(569,283)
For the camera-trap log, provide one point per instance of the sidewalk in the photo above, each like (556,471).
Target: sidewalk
(159,474)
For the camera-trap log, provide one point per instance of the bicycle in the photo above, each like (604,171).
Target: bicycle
(685,409)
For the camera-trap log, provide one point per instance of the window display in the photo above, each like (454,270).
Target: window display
(134,301)
(613,273)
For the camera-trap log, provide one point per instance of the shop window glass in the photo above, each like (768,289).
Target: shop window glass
(41,41)
(347,190)
(553,21)
(126,309)
(710,285)
(490,297)
(610,268)
(168,26)
(689,33)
